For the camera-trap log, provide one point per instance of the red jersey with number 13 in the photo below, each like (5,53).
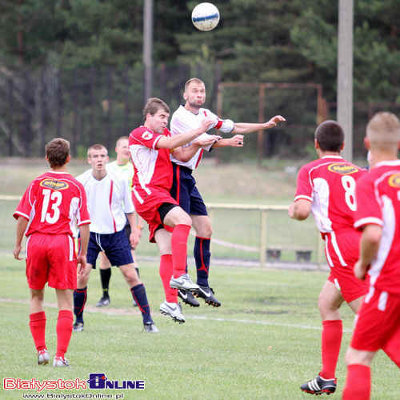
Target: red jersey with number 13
(53,203)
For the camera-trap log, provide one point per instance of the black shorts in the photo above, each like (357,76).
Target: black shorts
(185,192)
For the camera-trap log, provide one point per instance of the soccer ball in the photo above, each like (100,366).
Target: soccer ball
(205,16)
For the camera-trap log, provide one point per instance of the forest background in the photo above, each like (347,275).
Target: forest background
(73,68)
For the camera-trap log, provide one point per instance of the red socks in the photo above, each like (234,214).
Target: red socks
(171,295)
(64,331)
(330,347)
(37,324)
(179,239)
(358,383)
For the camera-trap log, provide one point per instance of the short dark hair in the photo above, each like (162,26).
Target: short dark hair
(329,136)
(57,152)
(153,105)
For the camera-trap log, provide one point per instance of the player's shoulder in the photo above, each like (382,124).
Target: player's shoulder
(84,177)
(141,133)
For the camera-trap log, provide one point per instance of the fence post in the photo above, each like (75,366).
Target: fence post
(263,238)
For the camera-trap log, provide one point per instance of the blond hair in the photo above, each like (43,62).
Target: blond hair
(383,130)
(193,80)
(95,147)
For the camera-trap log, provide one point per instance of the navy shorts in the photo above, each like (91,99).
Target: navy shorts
(185,192)
(115,245)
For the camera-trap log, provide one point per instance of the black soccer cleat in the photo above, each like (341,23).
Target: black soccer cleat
(104,301)
(188,298)
(78,327)
(207,294)
(319,386)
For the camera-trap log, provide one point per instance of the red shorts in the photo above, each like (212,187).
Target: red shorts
(377,321)
(349,286)
(52,259)
(146,205)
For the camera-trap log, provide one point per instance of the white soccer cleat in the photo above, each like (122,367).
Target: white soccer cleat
(174,310)
(60,362)
(43,357)
(183,282)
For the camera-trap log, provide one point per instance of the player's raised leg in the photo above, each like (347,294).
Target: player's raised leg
(202,256)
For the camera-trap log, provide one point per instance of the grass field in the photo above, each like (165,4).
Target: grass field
(261,344)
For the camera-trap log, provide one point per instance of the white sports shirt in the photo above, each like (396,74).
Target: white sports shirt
(184,120)
(108,201)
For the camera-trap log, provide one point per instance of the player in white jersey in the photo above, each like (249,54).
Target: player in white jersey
(186,159)
(109,204)
(123,168)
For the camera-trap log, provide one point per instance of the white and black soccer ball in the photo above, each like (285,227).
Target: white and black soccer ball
(205,16)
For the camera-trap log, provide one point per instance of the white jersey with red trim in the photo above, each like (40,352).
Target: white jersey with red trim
(329,183)
(53,203)
(184,120)
(378,203)
(109,199)
(152,166)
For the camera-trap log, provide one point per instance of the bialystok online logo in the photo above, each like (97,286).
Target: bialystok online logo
(95,381)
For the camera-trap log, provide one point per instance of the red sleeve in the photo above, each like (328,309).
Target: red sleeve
(368,208)
(25,205)
(144,137)
(304,189)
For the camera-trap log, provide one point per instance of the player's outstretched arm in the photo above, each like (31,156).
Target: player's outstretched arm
(22,224)
(234,141)
(173,142)
(186,153)
(246,127)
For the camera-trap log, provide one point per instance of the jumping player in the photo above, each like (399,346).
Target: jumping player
(123,168)
(326,188)
(110,204)
(150,147)
(377,216)
(186,159)
(51,205)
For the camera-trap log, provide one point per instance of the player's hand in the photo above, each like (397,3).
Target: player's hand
(81,264)
(207,124)
(207,141)
(236,141)
(360,271)
(134,237)
(17,251)
(274,121)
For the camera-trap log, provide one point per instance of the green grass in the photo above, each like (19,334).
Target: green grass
(261,344)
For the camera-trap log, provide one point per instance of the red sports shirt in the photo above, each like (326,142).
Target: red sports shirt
(152,166)
(378,199)
(53,203)
(329,183)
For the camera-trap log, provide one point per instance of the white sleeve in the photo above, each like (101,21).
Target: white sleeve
(128,203)
(223,125)
(204,136)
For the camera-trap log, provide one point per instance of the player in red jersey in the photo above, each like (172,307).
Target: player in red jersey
(150,147)
(326,188)
(378,217)
(51,205)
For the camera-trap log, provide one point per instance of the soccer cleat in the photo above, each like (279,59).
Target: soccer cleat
(78,327)
(104,301)
(188,298)
(207,294)
(150,328)
(43,357)
(319,386)
(183,282)
(60,362)
(174,310)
